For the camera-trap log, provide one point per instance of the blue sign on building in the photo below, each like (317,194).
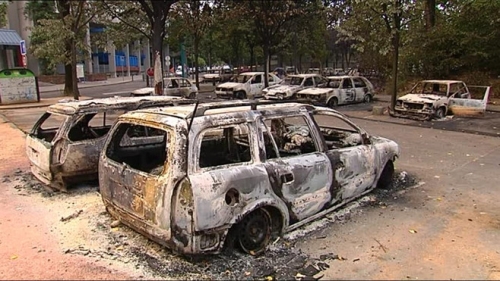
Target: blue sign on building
(22,45)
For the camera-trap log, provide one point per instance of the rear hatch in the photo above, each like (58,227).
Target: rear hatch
(133,172)
(40,142)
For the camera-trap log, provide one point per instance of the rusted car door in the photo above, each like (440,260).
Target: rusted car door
(227,174)
(137,165)
(469,107)
(40,142)
(85,140)
(299,172)
(350,152)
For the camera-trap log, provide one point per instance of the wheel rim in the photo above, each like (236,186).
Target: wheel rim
(255,232)
(368,98)
(192,96)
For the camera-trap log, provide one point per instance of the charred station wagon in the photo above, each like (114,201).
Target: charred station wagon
(64,145)
(191,176)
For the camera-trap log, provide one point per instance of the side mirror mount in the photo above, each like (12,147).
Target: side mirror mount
(366,138)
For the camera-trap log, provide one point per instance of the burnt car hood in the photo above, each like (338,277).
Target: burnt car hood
(282,89)
(420,98)
(230,85)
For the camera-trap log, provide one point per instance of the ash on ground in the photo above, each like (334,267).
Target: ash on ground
(26,184)
(282,260)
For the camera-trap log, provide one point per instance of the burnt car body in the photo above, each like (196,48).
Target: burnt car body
(430,99)
(220,75)
(339,90)
(292,85)
(64,145)
(236,171)
(245,85)
(172,86)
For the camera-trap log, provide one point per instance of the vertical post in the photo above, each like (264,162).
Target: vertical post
(88,57)
(183,58)
(127,58)
(112,59)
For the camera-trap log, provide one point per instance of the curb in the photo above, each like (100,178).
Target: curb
(430,128)
(42,103)
(85,86)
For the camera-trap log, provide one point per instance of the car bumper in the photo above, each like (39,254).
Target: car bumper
(224,94)
(417,114)
(201,242)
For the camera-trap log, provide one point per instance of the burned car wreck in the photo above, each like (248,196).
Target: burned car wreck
(196,177)
(431,99)
(64,145)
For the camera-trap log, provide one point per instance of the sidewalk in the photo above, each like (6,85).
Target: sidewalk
(81,85)
(43,103)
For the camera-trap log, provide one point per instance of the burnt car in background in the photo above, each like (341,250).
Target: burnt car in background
(339,90)
(430,99)
(292,84)
(242,172)
(64,145)
(174,86)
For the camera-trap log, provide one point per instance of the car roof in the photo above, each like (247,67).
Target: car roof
(222,108)
(441,81)
(343,76)
(251,73)
(302,75)
(102,104)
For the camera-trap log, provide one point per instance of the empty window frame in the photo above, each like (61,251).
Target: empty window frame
(225,146)
(142,148)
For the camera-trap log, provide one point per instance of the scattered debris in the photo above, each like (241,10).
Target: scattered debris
(380,245)
(355,260)
(72,216)
(115,223)
(412,231)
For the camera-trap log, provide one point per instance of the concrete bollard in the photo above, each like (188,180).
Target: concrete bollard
(378,110)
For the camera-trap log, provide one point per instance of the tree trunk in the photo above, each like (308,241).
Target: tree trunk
(76,93)
(430,14)
(266,68)
(68,79)
(196,43)
(395,59)
(252,57)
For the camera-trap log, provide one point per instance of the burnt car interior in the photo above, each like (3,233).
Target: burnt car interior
(223,146)
(47,126)
(139,147)
(291,136)
(88,127)
(337,132)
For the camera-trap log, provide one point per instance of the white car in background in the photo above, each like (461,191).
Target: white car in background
(173,86)
(340,90)
(292,85)
(245,85)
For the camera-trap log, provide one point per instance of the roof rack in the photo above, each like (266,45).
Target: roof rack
(202,108)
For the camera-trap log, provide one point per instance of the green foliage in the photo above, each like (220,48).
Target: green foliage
(3,14)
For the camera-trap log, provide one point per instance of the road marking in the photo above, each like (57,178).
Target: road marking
(116,93)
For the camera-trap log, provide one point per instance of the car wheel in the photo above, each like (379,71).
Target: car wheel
(254,232)
(333,102)
(385,180)
(192,96)
(240,95)
(440,113)
(368,98)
